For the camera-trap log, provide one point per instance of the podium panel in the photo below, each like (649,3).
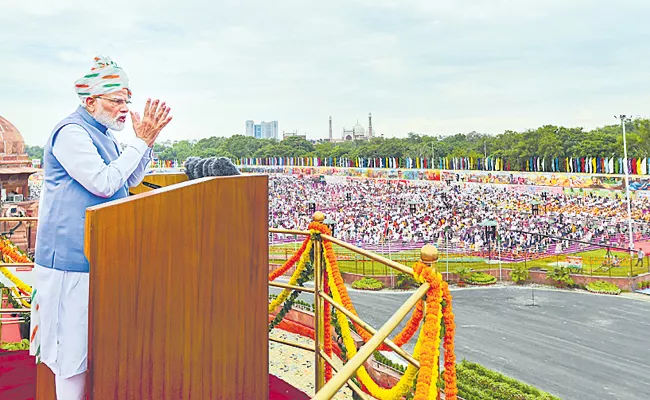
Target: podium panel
(159,179)
(178,292)
(44,383)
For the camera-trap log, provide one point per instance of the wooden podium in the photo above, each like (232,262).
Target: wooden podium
(178,294)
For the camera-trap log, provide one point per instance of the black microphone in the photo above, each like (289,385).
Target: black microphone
(196,167)
(151,185)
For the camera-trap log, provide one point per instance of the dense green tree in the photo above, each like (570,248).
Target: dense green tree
(547,141)
(34,152)
(300,145)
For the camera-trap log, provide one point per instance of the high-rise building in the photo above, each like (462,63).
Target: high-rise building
(263,130)
(250,128)
(270,130)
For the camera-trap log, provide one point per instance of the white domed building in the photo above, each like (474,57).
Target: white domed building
(357,132)
(15,171)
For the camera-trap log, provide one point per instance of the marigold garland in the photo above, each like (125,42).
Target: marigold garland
(451,388)
(431,330)
(406,381)
(327,325)
(294,278)
(411,327)
(428,373)
(11,250)
(288,304)
(11,254)
(24,302)
(13,278)
(290,262)
(433,394)
(427,349)
(404,336)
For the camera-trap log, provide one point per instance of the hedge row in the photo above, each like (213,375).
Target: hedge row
(603,287)
(480,383)
(481,278)
(368,284)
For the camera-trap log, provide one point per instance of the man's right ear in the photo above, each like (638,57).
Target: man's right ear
(90,104)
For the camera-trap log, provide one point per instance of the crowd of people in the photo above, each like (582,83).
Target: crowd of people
(367,211)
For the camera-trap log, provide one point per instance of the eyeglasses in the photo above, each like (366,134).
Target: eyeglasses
(117,102)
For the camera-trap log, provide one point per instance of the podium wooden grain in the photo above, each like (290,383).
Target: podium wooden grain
(178,293)
(160,179)
(44,383)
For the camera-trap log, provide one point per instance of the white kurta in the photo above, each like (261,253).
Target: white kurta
(59,324)
(62,299)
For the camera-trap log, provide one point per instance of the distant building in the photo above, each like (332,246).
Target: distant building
(263,130)
(15,164)
(19,190)
(270,130)
(357,132)
(286,135)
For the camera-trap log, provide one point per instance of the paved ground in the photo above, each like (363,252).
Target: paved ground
(572,344)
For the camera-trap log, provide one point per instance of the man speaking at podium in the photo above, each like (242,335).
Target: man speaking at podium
(84,166)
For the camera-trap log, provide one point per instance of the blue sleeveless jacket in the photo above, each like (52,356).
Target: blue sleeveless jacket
(62,212)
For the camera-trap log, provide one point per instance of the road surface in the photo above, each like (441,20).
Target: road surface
(574,345)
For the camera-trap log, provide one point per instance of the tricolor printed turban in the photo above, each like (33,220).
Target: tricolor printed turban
(105,77)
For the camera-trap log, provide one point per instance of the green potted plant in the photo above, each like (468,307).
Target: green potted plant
(561,276)
(463,274)
(519,274)
(405,281)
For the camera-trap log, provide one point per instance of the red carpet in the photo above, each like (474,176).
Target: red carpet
(18,379)
(17,375)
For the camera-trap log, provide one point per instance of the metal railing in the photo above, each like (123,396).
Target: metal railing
(348,371)
(593,264)
(344,375)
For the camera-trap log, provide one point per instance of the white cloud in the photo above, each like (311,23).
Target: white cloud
(430,67)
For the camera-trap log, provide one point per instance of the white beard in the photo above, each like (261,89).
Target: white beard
(105,119)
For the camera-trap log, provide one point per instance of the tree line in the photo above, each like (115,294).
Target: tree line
(517,148)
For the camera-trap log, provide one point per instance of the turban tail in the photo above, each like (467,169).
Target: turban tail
(105,77)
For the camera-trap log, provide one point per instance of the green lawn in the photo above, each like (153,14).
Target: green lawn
(592,262)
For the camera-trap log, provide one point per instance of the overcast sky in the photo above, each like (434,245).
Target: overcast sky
(431,67)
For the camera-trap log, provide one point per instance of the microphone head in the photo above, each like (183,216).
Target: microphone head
(206,166)
(189,166)
(222,166)
(198,168)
